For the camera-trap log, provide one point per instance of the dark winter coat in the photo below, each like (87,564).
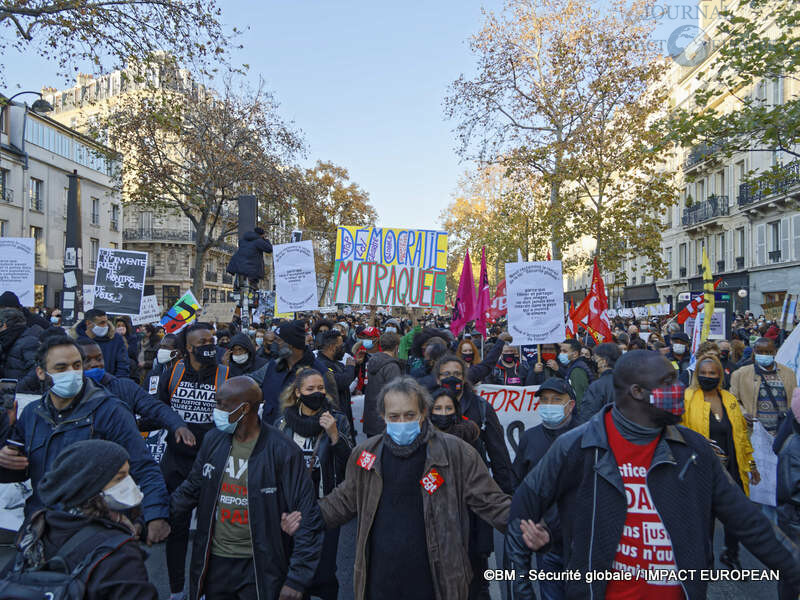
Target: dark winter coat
(155,414)
(343,375)
(381,369)
(121,575)
(278,483)
(574,374)
(276,376)
(20,358)
(504,374)
(581,477)
(788,484)
(115,354)
(97,415)
(248,260)
(599,393)
(254,362)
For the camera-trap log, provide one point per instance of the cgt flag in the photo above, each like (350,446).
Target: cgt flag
(484,299)
(598,324)
(499,306)
(571,325)
(690,310)
(464,309)
(180,315)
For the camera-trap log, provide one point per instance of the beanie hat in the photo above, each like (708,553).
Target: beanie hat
(80,472)
(10,299)
(293,333)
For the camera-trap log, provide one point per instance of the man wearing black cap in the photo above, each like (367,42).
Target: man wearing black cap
(279,373)
(680,356)
(556,408)
(637,493)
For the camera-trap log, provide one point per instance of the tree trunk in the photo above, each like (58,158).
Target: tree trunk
(554,187)
(198,281)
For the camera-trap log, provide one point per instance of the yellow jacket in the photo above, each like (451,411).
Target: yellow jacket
(696,417)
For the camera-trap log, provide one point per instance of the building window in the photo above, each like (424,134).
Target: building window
(171,294)
(700,189)
(668,217)
(115,217)
(37,233)
(95,250)
(739,241)
(699,246)
(35,193)
(682,260)
(6,195)
(720,184)
(3,228)
(113,245)
(668,261)
(95,211)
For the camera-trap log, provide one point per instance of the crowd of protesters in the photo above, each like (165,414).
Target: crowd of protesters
(262,444)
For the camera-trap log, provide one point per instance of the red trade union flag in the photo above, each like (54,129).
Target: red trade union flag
(598,325)
(499,306)
(484,299)
(690,310)
(571,328)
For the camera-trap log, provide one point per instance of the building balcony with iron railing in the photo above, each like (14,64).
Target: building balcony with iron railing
(774,256)
(713,207)
(227,278)
(699,154)
(7,195)
(788,181)
(211,276)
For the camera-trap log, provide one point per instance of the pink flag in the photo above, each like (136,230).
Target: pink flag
(464,310)
(484,296)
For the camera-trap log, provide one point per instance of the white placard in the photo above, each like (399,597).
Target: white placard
(88,297)
(535,295)
(150,311)
(17,268)
(717,324)
(767,462)
(295,277)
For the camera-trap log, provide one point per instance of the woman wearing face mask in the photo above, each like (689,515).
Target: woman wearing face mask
(86,491)
(446,416)
(323,434)
(714,413)
(468,352)
(241,356)
(128,333)
(509,370)
(148,348)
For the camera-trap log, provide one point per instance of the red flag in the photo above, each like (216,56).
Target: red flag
(484,299)
(690,310)
(499,306)
(548,255)
(571,328)
(580,316)
(464,309)
(598,325)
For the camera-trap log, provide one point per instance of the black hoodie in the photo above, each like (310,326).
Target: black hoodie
(254,361)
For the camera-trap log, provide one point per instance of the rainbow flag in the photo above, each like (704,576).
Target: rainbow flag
(180,315)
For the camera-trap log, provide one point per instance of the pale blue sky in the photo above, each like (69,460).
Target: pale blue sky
(364,81)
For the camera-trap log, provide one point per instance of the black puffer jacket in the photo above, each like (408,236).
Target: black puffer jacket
(254,361)
(120,575)
(20,357)
(581,477)
(788,485)
(381,369)
(278,482)
(248,260)
(599,393)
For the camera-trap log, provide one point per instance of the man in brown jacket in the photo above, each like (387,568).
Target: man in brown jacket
(411,488)
(764,388)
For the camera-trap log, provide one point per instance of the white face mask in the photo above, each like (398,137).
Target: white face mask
(678,348)
(163,356)
(240,359)
(100,331)
(123,495)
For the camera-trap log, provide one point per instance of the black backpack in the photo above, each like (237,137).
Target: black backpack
(64,576)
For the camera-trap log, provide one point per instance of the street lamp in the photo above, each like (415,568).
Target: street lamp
(40,106)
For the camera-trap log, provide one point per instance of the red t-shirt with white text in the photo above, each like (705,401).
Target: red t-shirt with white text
(645,543)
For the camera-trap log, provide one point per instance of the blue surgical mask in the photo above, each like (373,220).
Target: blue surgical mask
(368,344)
(95,374)
(403,434)
(764,360)
(392,329)
(55,320)
(221,420)
(563,358)
(67,384)
(552,414)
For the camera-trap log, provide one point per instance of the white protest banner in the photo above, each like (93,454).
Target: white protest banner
(119,281)
(767,461)
(295,277)
(150,311)
(789,352)
(535,294)
(718,329)
(516,409)
(88,297)
(17,268)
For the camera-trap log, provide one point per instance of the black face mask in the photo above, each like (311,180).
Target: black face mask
(508,359)
(707,383)
(339,354)
(443,422)
(206,354)
(274,348)
(313,401)
(454,385)
(468,358)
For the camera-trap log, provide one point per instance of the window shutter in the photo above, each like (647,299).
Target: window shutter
(785,239)
(761,244)
(796,238)
(730,261)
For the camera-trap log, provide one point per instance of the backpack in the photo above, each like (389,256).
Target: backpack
(180,369)
(65,575)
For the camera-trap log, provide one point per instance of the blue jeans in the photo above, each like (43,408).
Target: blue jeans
(552,563)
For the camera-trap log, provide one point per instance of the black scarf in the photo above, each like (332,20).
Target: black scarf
(9,335)
(406,451)
(306,425)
